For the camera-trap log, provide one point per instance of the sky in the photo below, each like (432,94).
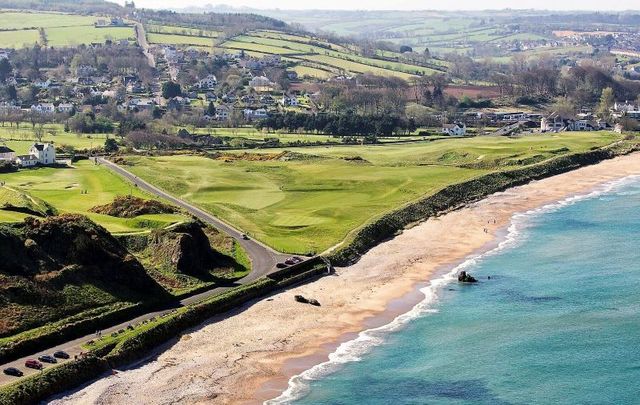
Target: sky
(405,4)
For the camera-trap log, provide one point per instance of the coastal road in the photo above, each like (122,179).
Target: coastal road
(263,261)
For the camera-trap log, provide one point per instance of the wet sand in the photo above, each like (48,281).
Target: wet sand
(249,356)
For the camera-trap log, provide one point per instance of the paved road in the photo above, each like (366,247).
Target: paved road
(141,37)
(263,261)
(263,258)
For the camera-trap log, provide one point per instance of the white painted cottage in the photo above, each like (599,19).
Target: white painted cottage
(45,153)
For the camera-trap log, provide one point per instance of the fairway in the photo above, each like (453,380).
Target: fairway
(308,201)
(62,188)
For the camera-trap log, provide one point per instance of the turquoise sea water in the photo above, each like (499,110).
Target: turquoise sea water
(557,323)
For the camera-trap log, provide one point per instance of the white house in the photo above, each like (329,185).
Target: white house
(26,160)
(43,108)
(553,123)
(456,129)
(66,108)
(289,101)
(7,153)
(261,83)
(208,82)
(44,152)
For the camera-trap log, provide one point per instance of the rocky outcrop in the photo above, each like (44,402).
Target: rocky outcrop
(130,207)
(184,249)
(465,277)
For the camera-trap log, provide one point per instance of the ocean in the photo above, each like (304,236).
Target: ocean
(554,318)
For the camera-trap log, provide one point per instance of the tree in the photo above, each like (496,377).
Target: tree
(110,145)
(606,102)
(5,70)
(171,89)
(211,110)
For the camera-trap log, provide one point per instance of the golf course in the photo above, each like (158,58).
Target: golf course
(309,199)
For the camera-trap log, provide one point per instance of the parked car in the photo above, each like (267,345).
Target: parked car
(297,259)
(281,265)
(289,262)
(245,237)
(31,363)
(47,359)
(13,371)
(61,355)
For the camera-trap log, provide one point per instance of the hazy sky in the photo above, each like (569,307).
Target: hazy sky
(405,4)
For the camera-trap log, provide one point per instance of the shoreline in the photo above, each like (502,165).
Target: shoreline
(250,356)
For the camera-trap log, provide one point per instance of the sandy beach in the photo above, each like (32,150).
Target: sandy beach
(248,357)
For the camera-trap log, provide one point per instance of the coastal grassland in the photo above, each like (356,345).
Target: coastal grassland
(63,188)
(310,200)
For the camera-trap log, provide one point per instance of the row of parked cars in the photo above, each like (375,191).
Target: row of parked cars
(37,364)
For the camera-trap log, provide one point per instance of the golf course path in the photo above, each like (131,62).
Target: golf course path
(263,258)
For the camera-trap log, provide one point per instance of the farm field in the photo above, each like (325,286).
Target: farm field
(21,139)
(182,31)
(70,36)
(10,20)
(310,199)
(62,188)
(18,39)
(175,39)
(21,29)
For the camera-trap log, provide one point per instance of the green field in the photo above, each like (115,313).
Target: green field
(18,39)
(70,36)
(26,19)
(62,188)
(21,139)
(175,39)
(182,31)
(21,29)
(310,200)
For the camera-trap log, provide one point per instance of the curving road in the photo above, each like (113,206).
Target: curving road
(263,258)
(263,261)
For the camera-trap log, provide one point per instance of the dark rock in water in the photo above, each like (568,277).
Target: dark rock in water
(466,278)
(300,298)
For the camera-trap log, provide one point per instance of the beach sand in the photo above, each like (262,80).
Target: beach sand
(249,357)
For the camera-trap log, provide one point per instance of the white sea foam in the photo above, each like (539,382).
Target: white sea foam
(354,350)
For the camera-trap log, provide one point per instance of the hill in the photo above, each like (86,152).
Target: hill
(62,266)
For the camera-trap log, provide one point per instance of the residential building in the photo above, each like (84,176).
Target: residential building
(208,83)
(44,152)
(43,108)
(7,153)
(26,160)
(553,122)
(456,129)
(66,108)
